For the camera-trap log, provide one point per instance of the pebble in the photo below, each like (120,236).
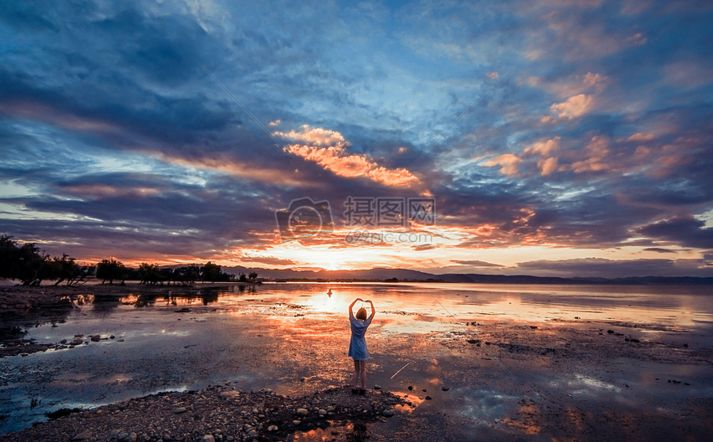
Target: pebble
(302,411)
(272,428)
(208,438)
(179,410)
(230,394)
(85,435)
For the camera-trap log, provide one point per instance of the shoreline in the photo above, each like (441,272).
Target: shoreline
(22,306)
(217,413)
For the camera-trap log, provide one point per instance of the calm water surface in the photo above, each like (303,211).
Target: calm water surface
(544,364)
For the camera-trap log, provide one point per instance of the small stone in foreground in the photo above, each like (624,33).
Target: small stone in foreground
(85,435)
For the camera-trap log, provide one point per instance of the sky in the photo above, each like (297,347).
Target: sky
(570,138)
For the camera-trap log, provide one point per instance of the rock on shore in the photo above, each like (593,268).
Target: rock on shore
(218,413)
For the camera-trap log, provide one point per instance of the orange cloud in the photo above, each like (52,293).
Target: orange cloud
(597,150)
(547,165)
(572,85)
(573,107)
(41,112)
(642,137)
(328,149)
(508,163)
(229,166)
(314,136)
(543,147)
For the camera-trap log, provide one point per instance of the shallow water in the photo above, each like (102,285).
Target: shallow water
(545,365)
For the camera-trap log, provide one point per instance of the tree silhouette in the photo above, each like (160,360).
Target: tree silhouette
(26,263)
(212,272)
(111,270)
(149,274)
(31,267)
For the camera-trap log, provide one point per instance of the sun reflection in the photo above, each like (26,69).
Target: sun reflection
(324,303)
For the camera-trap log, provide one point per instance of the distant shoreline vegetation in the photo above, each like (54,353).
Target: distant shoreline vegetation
(28,264)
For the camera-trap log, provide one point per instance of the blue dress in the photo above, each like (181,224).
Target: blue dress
(357,344)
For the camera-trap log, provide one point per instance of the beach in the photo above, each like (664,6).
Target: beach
(464,361)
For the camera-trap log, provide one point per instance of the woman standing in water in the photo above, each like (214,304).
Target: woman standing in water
(357,344)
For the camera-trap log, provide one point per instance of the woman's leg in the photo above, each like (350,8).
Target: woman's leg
(363,374)
(355,378)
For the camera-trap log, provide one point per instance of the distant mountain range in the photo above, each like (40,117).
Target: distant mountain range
(393,275)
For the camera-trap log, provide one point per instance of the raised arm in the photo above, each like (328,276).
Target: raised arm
(351,306)
(373,310)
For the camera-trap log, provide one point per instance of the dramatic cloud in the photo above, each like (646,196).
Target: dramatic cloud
(686,231)
(597,267)
(547,165)
(543,147)
(573,107)
(328,148)
(596,152)
(169,131)
(507,162)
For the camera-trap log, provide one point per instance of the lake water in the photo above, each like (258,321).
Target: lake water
(496,361)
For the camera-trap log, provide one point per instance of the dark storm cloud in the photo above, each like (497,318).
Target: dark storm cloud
(597,267)
(686,231)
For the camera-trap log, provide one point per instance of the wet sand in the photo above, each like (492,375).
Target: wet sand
(477,362)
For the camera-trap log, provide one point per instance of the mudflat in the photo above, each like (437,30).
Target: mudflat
(460,361)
